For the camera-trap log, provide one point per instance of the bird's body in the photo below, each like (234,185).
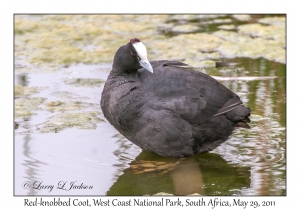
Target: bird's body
(174,111)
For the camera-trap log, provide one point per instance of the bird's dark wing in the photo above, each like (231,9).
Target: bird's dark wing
(193,95)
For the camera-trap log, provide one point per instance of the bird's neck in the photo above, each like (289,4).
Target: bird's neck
(119,77)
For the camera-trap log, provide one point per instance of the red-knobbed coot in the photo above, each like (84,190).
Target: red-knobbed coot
(165,107)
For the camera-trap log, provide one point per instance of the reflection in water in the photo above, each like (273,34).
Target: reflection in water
(29,163)
(32,165)
(187,178)
(21,79)
(206,174)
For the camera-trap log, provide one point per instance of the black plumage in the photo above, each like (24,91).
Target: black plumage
(174,111)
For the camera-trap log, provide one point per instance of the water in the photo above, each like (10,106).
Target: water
(82,154)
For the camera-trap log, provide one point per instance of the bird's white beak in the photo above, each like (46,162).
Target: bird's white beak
(142,53)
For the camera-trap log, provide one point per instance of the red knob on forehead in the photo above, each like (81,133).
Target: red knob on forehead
(134,40)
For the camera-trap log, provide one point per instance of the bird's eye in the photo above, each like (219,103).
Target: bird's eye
(132,53)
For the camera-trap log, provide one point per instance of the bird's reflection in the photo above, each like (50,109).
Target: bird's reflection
(21,79)
(204,174)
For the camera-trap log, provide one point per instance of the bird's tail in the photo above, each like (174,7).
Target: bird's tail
(240,116)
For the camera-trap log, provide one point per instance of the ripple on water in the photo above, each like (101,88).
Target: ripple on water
(263,144)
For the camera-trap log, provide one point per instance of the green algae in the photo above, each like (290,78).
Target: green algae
(207,63)
(80,120)
(60,39)
(21,111)
(221,21)
(226,27)
(276,32)
(212,22)
(59,106)
(273,20)
(68,95)
(24,107)
(241,45)
(185,29)
(187,46)
(23,26)
(24,90)
(191,17)
(54,40)
(231,36)
(86,82)
(242,17)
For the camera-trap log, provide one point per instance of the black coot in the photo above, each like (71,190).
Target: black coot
(167,108)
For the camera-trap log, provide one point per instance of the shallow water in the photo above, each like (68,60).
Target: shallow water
(61,136)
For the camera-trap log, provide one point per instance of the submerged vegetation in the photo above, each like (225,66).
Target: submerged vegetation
(57,40)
